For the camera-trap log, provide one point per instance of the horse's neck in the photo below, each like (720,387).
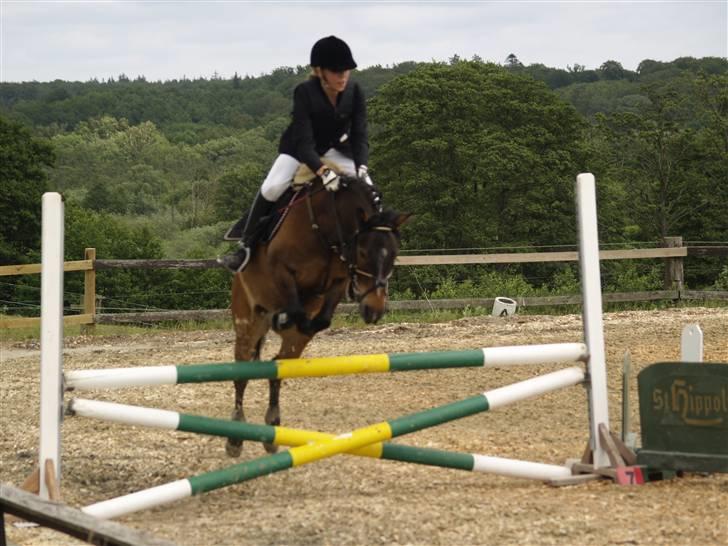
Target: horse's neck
(351,205)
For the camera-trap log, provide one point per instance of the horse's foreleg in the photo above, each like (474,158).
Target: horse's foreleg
(293,342)
(250,329)
(293,312)
(322,320)
(273,413)
(234,447)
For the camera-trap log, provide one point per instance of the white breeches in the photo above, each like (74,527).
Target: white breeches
(284,168)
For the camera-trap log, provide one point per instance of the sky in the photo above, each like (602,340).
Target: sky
(172,39)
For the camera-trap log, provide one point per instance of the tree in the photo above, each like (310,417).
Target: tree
(481,156)
(664,165)
(23,180)
(235,191)
(612,70)
(513,62)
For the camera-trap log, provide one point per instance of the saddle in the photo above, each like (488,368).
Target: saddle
(268,225)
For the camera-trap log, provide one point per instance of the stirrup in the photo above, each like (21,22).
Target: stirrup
(237,261)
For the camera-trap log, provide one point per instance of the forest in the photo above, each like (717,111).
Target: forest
(484,155)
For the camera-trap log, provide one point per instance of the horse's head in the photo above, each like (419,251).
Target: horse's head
(377,246)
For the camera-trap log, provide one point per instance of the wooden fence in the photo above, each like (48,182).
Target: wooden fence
(673,254)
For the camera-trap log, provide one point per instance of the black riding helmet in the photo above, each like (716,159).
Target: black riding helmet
(333,54)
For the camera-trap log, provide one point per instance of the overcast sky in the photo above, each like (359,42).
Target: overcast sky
(161,40)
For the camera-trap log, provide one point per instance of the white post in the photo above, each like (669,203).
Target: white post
(591,290)
(51,337)
(691,344)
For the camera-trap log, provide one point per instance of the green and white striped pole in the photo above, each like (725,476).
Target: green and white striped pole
(113,378)
(343,443)
(282,436)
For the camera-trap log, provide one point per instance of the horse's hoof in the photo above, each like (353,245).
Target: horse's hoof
(233,450)
(271,448)
(318,324)
(273,416)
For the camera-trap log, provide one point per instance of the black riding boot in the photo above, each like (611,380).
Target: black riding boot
(237,261)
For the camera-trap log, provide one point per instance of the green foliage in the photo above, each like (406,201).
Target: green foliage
(23,163)
(112,240)
(565,281)
(23,180)
(130,290)
(188,111)
(612,70)
(721,282)
(453,282)
(485,156)
(236,190)
(196,243)
(673,178)
(629,276)
(473,140)
(604,96)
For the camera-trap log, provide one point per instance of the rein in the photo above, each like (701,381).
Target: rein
(344,248)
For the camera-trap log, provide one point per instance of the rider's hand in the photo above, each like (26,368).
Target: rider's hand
(331,180)
(363,174)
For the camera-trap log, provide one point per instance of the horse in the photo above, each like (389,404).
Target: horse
(329,245)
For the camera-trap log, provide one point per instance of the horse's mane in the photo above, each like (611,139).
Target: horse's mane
(387,217)
(369,192)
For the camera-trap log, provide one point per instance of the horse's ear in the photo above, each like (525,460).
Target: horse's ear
(401,218)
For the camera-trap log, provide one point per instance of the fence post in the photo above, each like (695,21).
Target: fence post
(89,290)
(674,274)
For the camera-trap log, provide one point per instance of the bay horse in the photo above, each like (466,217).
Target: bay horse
(329,244)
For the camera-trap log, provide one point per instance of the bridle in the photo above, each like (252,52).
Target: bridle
(346,250)
(380,281)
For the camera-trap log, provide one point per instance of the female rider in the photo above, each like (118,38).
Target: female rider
(329,122)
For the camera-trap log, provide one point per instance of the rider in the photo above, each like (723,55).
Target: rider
(329,120)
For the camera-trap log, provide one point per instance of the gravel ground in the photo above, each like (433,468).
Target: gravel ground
(349,500)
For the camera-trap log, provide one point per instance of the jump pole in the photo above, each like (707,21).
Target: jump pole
(591,289)
(329,447)
(51,338)
(283,436)
(114,378)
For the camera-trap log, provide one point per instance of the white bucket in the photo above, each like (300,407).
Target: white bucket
(504,307)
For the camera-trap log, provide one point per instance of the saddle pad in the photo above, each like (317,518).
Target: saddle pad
(304,174)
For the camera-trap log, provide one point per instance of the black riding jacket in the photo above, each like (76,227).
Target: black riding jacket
(317,126)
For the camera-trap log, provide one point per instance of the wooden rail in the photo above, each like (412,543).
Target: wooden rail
(444,259)
(34,269)
(29,322)
(673,255)
(535,257)
(69,520)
